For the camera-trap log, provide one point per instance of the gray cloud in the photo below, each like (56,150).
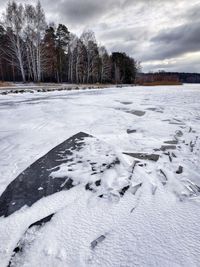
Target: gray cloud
(176,41)
(182,65)
(83,11)
(127,34)
(192,14)
(79,12)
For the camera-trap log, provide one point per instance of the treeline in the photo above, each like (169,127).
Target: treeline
(32,50)
(181,77)
(185,77)
(157,77)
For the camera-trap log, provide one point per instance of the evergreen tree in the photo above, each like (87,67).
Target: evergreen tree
(62,41)
(50,54)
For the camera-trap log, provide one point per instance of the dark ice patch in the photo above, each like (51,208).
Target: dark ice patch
(165,148)
(138,113)
(24,189)
(177,123)
(164,177)
(129,131)
(168,147)
(38,180)
(180,170)
(143,156)
(153,189)
(22,244)
(42,221)
(89,186)
(171,142)
(123,190)
(133,168)
(98,183)
(152,109)
(126,103)
(173,155)
(97,241)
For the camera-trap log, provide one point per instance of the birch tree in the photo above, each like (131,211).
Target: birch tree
(13,20)
(40,24)
(89,40)
(73,39)
(29,35)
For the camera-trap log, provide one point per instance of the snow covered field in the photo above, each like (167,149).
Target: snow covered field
(155,222)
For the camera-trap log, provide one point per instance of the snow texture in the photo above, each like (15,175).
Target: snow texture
(138,212)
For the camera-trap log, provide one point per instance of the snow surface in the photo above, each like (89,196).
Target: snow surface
(155,224)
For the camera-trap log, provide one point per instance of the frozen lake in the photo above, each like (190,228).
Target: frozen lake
(155,225)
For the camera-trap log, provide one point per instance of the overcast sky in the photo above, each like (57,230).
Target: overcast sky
(162,34)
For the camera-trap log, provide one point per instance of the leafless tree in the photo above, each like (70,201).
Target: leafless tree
(105,65)
(89,40)
(13,20)
(71,54)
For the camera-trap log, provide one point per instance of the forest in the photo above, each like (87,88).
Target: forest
(167,77)
(31,50)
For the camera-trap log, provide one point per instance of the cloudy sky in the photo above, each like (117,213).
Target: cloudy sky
(162,34)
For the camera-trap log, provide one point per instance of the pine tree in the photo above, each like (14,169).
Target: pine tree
(62,41)
(50,63)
